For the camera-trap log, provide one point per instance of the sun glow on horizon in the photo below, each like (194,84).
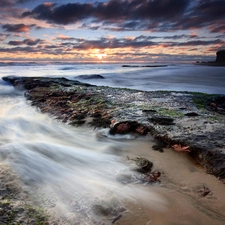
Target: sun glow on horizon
(100,56)
(97,54)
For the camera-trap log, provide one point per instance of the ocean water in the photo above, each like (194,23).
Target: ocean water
(180,77)
(83,176)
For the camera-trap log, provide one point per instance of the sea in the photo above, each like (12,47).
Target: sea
(84,176)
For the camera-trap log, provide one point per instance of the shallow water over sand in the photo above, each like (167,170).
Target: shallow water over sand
(83,176)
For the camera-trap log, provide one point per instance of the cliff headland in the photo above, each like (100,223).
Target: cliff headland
(220,60)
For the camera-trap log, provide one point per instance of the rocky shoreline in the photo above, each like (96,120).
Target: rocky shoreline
(181,119)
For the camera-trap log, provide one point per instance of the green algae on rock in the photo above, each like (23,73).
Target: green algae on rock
(16,208)
(79,103)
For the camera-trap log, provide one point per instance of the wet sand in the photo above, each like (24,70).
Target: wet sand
(179,191)
(175,200)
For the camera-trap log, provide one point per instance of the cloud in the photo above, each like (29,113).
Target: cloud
(65,45)
(124,15)
(6,3)
(64,14)
(3,36)
(127,48)
(195,43)
(215,28)
(29,42)
(25,50)
(113,10)
(110,43)
(64,37)
(137,42)
(23,1)
(203,14)
(162,9)
(213,9)
(19,28)
(16,27)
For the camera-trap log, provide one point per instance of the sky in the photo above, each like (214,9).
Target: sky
(111,30)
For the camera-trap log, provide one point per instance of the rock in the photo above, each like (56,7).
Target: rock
(77,103)
(159,146)
(126,127)
(93,76)
(155,65)
(191,114)
(220,56)
(161,120)
(152,177)
(149,111)
(220,60)
(29,83)
(144,165)
(217,104)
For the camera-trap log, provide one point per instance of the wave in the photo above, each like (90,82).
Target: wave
(67,68)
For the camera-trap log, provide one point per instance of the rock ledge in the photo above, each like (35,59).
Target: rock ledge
(189,119)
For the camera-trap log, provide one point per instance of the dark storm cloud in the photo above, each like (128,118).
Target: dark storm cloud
(18,28)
